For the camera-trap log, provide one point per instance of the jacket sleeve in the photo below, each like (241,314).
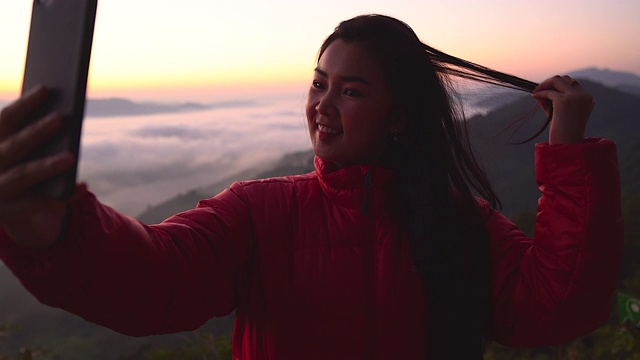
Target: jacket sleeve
(559,285)
(136,279)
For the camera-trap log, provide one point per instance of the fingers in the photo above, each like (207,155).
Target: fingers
(572,82)
(17,141)
(571,104)
(556,82)
(15,181)
(13,116)
(559,89)
(17,146)
(563,84)
(29,219)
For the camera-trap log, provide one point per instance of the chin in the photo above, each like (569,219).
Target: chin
(324,155)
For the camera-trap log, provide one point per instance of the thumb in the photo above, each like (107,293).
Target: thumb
(545,103)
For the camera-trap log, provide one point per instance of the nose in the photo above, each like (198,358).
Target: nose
(326,105)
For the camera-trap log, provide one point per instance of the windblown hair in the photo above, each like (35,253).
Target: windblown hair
(439,179)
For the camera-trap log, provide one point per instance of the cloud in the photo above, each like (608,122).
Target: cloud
(131,162)
(278,114)
(169,131)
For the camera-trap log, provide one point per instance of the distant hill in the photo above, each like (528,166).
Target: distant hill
(610,78)
(630,171)
(511,166)
(295,163)
(631,89)
(123,107)
(114,107)
(496,97)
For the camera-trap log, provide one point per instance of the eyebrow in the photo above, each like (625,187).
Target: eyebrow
(345,78)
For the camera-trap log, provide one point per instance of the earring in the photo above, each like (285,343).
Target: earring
(395,136)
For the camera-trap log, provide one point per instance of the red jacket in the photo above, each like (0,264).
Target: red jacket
(312,277)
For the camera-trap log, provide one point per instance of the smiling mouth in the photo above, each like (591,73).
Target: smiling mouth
(327,130)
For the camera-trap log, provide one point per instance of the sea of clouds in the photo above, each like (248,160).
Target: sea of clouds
(131,162)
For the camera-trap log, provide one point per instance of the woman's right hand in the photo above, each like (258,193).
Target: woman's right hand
(30,220)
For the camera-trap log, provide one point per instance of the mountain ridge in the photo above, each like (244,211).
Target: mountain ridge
(115,107)
(608,77)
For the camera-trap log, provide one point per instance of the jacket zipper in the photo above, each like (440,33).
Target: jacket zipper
(370,265)
(368,185)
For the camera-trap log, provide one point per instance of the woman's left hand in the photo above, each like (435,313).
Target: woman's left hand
(572,107)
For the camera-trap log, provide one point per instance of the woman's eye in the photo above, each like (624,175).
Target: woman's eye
(317,84)
(352,92)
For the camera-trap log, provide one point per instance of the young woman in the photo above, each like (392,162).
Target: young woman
(383,252)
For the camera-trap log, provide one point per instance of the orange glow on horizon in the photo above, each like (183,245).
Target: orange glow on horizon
(231,78)
(148,86)
(173,47)
(220,92)
(180,92)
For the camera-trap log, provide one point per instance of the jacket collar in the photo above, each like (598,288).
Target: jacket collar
(356,185)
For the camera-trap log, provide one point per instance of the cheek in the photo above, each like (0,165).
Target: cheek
(310,113)
(371,131)
(310,107)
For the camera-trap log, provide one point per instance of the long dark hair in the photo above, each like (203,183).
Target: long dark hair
(439,179)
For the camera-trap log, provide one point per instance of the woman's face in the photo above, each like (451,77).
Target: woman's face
(349,106)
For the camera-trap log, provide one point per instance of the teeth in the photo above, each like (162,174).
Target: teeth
(325,129)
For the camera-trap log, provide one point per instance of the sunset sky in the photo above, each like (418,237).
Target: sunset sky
(167,49)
